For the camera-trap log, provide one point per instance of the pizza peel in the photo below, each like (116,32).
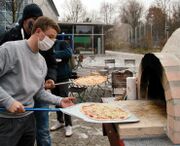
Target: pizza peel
(76,112)
(38,109)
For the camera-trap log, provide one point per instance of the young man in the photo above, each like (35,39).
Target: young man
(22,74)
(23,31)
(62,51)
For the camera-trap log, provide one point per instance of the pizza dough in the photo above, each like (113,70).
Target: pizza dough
(90,80)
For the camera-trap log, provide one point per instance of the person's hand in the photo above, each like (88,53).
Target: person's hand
(68,101)
(49,84)
(16,107)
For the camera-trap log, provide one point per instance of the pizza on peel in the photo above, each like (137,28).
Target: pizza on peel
(103,112)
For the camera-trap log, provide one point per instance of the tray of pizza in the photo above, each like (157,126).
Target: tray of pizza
(100,113)
(91,80)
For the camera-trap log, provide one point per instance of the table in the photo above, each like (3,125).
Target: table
(79,90)
(87,85)
(152,123)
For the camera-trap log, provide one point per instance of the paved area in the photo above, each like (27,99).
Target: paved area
(88,134)
(84,134)
(98,60)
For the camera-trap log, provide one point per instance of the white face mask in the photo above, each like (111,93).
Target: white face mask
(45,44)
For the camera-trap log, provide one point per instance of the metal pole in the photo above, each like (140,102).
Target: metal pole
(167,35)
(152,33)
(165,27)
(144,29)
(140,26)
(129,35)
(92,45)
(135,35)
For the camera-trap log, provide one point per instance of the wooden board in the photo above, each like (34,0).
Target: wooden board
(152,117)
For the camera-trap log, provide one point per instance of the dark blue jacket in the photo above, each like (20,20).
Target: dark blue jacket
(63,51)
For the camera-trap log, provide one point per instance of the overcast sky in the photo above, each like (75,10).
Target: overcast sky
(95,4)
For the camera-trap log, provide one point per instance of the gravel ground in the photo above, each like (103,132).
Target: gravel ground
(84,134)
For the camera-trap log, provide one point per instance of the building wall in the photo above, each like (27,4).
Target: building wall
(47,8)
(84,38)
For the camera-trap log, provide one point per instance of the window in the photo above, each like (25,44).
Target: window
(98,29)
(83,44)
(82,29)
(66,29)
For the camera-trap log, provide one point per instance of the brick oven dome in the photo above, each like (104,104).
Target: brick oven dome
(170,60)
(173,43)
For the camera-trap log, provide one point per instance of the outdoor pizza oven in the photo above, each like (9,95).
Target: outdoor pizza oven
(159,78)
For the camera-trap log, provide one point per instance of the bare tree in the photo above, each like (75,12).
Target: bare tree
(131,13)
(163,4)
(12,8)
(175,20)
(75,11)
(93,16)
(155,19)
(107,10)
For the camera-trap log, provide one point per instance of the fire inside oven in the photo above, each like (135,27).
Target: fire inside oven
(151,79)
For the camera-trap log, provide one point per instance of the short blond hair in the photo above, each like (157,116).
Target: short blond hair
(44,23)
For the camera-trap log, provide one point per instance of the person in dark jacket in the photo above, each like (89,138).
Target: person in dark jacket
(23,31)
(62,53)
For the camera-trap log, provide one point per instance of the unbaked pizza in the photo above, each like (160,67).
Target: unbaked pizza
(103,111)
(90,80)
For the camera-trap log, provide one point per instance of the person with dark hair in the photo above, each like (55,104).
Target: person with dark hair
(22,75)
(23,31)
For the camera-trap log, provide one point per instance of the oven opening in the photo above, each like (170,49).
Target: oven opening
(151,80)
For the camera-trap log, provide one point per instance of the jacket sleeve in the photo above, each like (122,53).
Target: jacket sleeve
(13,34)
(47,97)
(4,38)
